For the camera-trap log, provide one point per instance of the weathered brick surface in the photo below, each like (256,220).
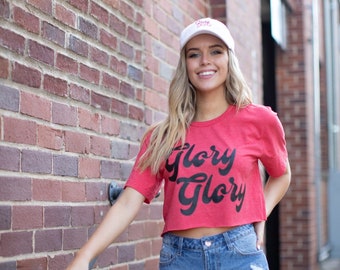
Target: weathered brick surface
(80,81)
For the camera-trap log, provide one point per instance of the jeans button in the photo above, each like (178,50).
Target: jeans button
(207,243)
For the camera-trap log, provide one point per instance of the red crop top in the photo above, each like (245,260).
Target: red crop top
(214,179)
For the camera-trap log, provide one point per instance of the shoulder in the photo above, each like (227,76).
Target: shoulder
(257,112)
(259,109)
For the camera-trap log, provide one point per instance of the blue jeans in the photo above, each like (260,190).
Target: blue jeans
(234,249)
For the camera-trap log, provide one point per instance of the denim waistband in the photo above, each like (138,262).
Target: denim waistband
(206,242)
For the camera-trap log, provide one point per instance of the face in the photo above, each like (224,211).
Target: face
(207,63)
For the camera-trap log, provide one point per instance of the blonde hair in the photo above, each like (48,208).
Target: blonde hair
(182,107)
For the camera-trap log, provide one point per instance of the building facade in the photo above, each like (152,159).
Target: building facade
(80,81)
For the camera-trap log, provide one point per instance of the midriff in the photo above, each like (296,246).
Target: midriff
(201,232)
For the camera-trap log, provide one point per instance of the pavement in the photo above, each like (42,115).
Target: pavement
(330,264)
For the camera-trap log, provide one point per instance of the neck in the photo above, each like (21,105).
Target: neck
(210,108)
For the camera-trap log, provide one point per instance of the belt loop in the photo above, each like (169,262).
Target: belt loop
(227,239)
(180,244)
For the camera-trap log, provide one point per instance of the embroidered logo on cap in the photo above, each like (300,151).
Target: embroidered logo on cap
(201,23)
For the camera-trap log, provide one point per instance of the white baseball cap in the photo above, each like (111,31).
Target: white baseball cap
(207,26)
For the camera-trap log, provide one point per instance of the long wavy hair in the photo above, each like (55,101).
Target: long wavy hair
(182,108)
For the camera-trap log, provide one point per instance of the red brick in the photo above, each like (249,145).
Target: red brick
(67,64)
(110,126)
(26,75)
(4,67)
(16,243)
(12,41)
(36,264)
(87,28)
(65,165)
(57,216)
(143,250)
(108,39)
(127,90)
(120,150)
(99,13)
(36,106)
(9,159)
(110,169)
(82,216)
(15,189)
(77,142)
(136,113)
(57,262)
(53,33)
(109,257)
(74,238)
(46,190)
(48,240)
(110,82)
(134,35)
(26,20)
(127,10)
(100,146)
(89,168)
(96,191)
(33,161)
(152,263)
(73,192)
(126,253)
(19,131)
(119,107)
(5,217)
(89,120)
(156,246)
(44,6)
(89,74)
(55,85)
(155,101)
(81,5)
(118,66)
(80,93)
(64,114)
(50,138)
(136,231)
(100,101)
(126,50)
(27,217)
(65,15)
(78,46)
(4,9)
(117,25)
(99,56)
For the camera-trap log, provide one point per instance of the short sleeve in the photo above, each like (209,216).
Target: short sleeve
(145,182)
(273,144)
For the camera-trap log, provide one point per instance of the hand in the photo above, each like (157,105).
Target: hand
(259,230)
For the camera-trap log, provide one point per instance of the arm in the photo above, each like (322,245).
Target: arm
(274,190)
(120,215)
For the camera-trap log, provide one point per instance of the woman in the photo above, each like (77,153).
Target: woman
(207,153)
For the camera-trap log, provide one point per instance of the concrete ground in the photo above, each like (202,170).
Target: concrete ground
(330,264)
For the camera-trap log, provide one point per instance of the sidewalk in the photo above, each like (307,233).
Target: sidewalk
(330,264)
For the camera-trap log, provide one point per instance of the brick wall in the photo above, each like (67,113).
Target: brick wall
(298,216)
(244,21)
(79,83)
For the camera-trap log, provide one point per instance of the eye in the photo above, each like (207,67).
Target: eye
(192,55)
(215,52)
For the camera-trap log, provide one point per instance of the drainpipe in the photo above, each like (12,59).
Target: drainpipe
(317,136)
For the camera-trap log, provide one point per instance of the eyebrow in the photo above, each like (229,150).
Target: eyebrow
(210,47)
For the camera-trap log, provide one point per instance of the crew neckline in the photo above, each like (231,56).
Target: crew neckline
(214,120)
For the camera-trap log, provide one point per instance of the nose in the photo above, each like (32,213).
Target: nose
(205,59)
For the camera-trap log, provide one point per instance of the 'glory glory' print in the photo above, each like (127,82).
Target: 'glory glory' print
(201,182)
